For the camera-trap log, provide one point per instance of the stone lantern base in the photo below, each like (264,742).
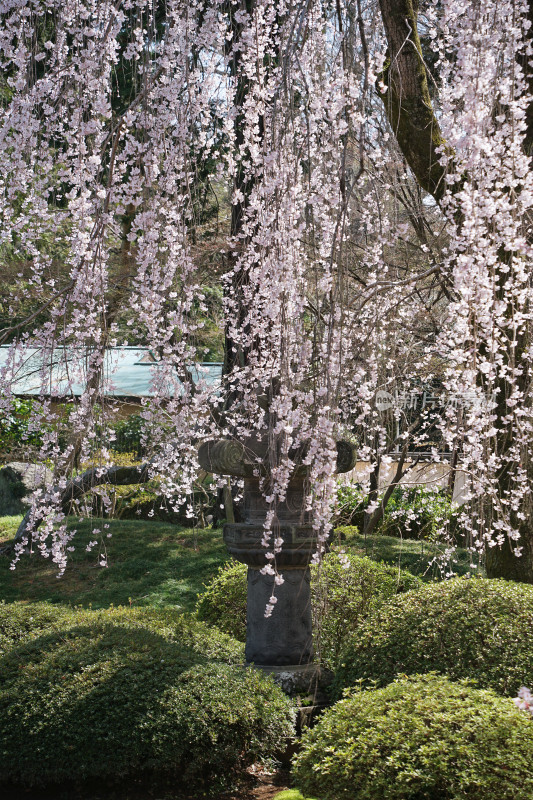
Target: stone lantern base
(305,680)
(286,637)
(281,643)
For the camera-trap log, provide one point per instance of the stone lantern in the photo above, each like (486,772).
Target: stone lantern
(282,642)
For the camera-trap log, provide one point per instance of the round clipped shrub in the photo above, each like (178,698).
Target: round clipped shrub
(104,695)
(224,601)
(421,738)
(344,590)
(21,622)
(467,628)
(217,718)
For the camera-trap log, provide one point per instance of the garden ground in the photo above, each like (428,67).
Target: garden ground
(257,784)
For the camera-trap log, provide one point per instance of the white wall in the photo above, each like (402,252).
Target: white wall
(422,474)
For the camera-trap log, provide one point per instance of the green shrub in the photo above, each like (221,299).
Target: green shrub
(420,512)
(224,601)
(16,427)
(346,534)
(128,432)
(146,502)
(350,505)
(218,717)
(422,738)
(467,628)
(344,590)
(108,694)
(416,512)
(22,622)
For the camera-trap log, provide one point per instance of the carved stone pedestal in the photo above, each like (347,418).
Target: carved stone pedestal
(286,636)
(283,640)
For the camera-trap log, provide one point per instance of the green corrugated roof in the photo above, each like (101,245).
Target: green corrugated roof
(128,372)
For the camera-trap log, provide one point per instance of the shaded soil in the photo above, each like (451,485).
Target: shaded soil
(256,784)
(262,785)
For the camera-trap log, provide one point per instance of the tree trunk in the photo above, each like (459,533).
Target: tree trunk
(406,96)
(501,562)
(373,519)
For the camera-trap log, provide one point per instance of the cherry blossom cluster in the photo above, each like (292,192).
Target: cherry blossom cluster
(341,279)
(287,317)
(483,99)
(524,701)
(98,174)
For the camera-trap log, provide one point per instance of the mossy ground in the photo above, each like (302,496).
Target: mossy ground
(149,564)
(159,564)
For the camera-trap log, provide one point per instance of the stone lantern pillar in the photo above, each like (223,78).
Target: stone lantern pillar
(284,640)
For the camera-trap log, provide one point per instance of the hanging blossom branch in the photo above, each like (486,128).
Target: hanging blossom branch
(322,308)
(484,98)
(293,318)
(294,133)
(60,502)
(74,164)
(480,179)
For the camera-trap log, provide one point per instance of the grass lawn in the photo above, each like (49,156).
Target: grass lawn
(158,564)
(424,559)
(150,564)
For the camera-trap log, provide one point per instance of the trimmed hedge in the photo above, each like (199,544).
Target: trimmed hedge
(466,628)
(421,738)
(21,622)
(104,695)
(344,591)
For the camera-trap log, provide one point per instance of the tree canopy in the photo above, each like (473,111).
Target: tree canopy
(349,180)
